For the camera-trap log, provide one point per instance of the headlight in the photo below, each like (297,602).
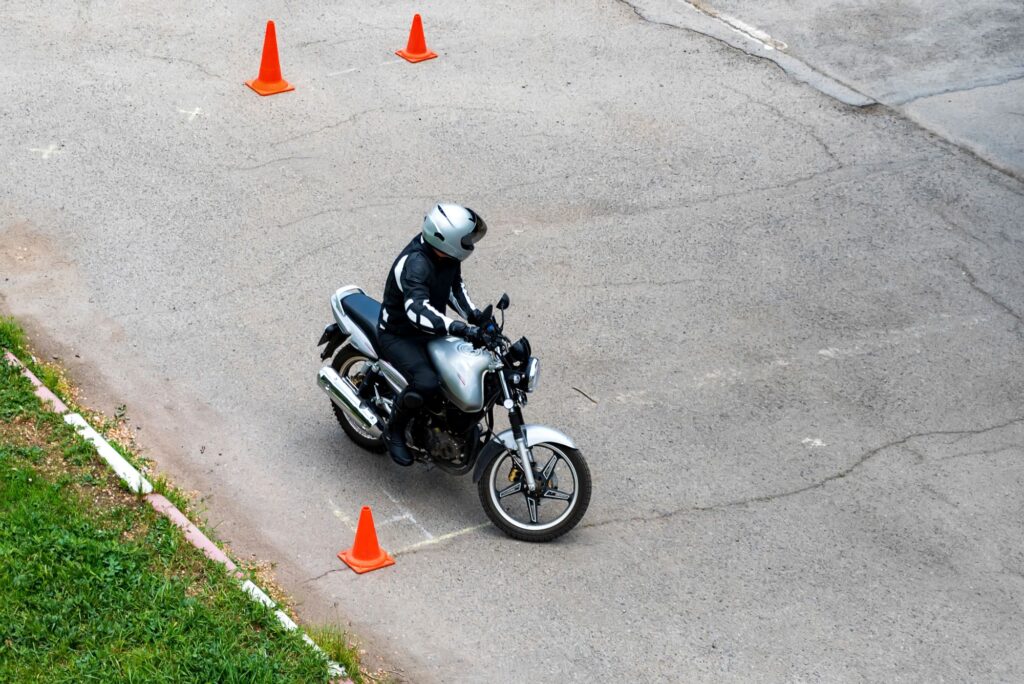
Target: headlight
(532,373)
(519,353)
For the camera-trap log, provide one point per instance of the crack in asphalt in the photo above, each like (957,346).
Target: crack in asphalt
(870,169)
(766,498)
(310,217)
(176,60)
(939,496)
(973,282)
(398,112)
(796,123)
(981,83)
(351,118)
(335,210)
(266,163)
(956,225)
(861,460)
(643,283)
(985,452)
(324,574)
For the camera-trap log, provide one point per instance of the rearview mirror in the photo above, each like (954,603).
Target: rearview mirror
(502,303)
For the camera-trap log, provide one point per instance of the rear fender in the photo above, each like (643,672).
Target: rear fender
(333,337)
(504,441)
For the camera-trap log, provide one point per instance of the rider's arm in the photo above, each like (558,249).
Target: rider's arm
(459,298)
(414,282)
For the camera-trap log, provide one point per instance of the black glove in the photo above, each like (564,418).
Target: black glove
(474,317)
(466,332)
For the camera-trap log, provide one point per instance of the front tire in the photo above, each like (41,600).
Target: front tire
(509,506)
(351,363)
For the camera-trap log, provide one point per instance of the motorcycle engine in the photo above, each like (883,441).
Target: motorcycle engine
(442,431)
(442,446)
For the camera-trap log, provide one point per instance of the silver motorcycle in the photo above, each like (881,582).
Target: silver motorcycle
(532,480)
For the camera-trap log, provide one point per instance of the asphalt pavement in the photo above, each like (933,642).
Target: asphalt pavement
(785,330)
(957,69)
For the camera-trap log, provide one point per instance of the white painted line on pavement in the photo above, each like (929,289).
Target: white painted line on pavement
(407,514)
(341,516)
(355,69)
(125,470)
(47,153)
(741,27)
(753,32)
(438,540)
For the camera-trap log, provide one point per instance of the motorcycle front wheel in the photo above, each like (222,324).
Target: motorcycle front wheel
(561,499)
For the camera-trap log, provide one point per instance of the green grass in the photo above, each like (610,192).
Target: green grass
(12,337)
(96,587)
(336,645)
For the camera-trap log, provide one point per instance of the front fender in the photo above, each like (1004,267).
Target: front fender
(504,441)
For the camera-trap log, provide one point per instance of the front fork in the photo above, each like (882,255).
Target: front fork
(515,419)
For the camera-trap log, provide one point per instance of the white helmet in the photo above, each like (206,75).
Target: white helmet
(453,229)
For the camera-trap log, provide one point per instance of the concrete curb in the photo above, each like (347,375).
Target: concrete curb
(140,485)
(125,470)
(193,534)
(42,391)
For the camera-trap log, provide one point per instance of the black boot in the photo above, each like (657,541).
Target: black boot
(394,437)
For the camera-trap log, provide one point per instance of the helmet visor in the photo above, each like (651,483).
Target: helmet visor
(477,234)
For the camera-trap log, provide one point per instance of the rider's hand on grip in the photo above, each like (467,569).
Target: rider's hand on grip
(470,333)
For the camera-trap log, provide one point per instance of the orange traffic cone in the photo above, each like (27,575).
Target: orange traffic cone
(366,554)
(269,82)
(416,49)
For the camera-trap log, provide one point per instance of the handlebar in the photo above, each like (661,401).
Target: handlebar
(491,336)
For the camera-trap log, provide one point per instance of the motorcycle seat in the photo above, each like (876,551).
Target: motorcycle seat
(364,312)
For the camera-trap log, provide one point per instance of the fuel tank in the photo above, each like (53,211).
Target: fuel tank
(461,369)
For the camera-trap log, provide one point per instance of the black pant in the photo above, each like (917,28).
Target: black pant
(409,356)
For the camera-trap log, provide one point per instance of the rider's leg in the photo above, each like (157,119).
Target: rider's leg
(406,406)
(409,356)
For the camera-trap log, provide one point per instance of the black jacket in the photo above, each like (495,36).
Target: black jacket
(420,285)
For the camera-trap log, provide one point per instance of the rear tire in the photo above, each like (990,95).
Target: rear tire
(343,364)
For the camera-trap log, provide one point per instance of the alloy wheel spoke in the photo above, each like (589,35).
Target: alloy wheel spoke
(531,504)
(549,467)
(557,494)
(511,489)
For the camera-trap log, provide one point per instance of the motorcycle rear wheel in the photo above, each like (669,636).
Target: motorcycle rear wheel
(502,491)
(351,363)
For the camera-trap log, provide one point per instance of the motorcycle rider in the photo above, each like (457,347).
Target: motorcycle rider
(426,277)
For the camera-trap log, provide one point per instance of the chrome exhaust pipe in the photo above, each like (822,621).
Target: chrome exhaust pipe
(344,395)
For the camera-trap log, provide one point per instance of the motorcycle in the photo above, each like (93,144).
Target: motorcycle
(532,480)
